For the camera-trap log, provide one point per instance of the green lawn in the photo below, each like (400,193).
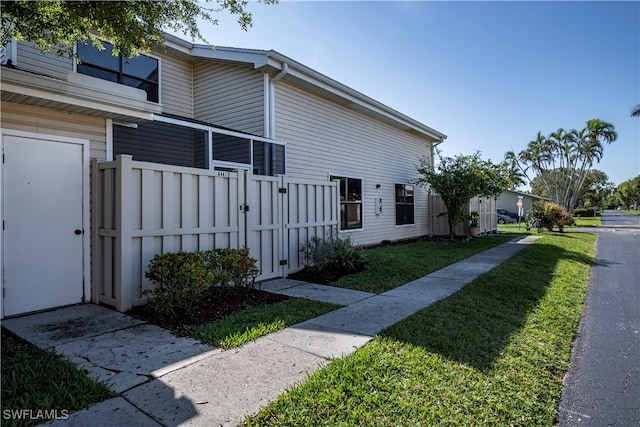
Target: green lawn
(254,322)
(588,222)
(44,381)
(493,353)
(394,265)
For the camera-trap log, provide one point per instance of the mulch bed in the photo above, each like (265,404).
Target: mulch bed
(13,346)
(326,276)
(215,305)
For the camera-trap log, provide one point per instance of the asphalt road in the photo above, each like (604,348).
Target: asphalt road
(602,387)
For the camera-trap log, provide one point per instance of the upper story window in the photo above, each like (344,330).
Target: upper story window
(141,72)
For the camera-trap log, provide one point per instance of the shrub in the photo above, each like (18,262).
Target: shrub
(557,215)
(347,255)
(546,215)
(184,277)
(235,268)
(332,252)
(537,217)
(317,253)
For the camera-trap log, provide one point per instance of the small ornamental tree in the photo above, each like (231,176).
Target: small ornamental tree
(458,179)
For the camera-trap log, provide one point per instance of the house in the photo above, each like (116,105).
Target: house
(112,160)
(508,200)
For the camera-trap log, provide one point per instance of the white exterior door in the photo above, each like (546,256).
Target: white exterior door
(43,219)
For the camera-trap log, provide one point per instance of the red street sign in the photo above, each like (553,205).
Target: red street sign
(519,204)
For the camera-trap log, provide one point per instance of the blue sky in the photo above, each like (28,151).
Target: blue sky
(490,75)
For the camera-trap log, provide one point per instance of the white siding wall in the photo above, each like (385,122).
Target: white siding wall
(325,138)
(30,58)
(52,122)
(176,85)
(230,96)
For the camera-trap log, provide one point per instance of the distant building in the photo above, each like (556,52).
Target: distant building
(508,200)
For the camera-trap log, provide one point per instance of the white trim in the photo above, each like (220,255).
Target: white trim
(109,137)
(86,224)
(230,165)
(266,101)
(159,76)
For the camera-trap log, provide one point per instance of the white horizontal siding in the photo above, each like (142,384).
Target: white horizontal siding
(325,138)
(52,122)
(176,85)
(30,58)
(230,96)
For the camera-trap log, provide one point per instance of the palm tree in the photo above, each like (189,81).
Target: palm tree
(635,111)
(517,175)
(589,148)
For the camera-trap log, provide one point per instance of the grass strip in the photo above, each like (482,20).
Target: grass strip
(588,222)
(43,382)
(493,353)
(394,265)
(254,322)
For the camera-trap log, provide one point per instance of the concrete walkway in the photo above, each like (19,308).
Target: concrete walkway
(171,381)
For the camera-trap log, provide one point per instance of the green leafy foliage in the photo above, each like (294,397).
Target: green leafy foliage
(234,268)
(473,218)
(547,215)
(457,179)
(132,26)
(184,277)
(628,193)
(331,252)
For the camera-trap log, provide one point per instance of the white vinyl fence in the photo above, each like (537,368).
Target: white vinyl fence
(485,206)
(141,209)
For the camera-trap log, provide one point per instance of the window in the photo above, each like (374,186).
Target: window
(350,202)
(404,204)
(140,72)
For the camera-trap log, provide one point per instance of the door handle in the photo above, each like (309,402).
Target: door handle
(78,232)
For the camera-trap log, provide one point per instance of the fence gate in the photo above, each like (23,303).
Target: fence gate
(264,223)
(282,214)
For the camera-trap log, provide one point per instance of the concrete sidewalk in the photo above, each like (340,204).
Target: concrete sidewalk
(165,380)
